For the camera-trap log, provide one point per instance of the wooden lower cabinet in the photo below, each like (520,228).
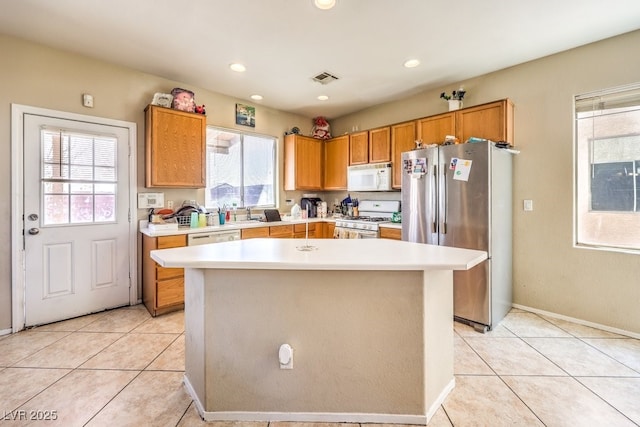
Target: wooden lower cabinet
(281,231)
(390,233)
(276,231)
(162,288)
(253,233)
(315,230)
(329,228)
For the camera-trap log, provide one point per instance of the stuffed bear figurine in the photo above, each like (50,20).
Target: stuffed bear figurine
(320,128)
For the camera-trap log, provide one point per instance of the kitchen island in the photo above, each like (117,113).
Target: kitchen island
(370,323)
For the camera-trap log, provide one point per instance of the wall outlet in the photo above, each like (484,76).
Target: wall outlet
(289,202)
(169,204)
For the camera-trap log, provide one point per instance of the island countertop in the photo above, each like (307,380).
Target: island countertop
(327,254)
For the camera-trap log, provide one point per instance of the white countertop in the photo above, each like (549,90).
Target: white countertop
(330,254)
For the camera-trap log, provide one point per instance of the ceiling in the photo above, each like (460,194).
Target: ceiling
(284,43)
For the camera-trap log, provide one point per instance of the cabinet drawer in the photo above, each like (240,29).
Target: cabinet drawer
(301,228)
(170,292)
(163,273)
(176,241)
(390,233)
(252,233)
(281,231)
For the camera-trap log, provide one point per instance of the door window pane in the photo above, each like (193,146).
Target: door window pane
(79,176)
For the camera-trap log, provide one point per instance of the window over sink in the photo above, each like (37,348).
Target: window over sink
(241,169)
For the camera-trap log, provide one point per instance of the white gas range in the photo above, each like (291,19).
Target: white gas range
(367,224)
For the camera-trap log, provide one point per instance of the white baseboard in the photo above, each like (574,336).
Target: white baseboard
(5,331)
(578,321)
(318,417)
(440,400)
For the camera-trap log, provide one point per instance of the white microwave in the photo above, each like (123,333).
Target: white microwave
(369,177)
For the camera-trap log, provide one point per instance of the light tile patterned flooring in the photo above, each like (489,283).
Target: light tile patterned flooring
(124,368)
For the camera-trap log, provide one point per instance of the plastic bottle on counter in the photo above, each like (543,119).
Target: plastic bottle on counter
(202,220)
(295,211)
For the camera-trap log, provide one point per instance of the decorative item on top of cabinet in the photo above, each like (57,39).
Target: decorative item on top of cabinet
(302,163)
(336,157)
(493,121)
(403,137)
(174,148)
(162,288)
(380,145)
(359,148)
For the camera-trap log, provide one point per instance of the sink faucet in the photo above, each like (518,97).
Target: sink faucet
(248,212)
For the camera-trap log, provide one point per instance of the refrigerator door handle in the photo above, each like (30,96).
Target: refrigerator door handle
(445,199)
(434,199)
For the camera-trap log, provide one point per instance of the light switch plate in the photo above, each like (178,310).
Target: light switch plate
(150,200)
(527,205)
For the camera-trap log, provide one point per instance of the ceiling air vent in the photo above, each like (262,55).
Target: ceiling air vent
(324,78)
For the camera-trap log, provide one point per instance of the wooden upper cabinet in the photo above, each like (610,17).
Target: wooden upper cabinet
(175,153)
(492,121)
(359,148)
(380,145)
(434,129)
(403,137)
(302,163)
(336,160)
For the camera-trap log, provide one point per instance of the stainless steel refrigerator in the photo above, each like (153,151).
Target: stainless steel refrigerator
(460,195)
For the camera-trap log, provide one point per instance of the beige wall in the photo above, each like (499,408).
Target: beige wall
(41,77)
(549,273)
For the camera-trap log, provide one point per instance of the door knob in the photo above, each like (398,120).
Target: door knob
(34,231)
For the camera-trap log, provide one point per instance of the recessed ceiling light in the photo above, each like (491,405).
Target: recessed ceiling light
(256,97)
(410,63)
(238,67)
(324,4)
(323,97)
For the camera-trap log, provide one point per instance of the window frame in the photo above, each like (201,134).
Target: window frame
(274,157)
(608,99)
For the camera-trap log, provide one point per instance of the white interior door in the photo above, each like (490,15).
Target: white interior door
(76,218)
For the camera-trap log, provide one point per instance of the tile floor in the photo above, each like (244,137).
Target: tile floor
(124,368)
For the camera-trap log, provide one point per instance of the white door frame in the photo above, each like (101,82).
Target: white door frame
(17,206)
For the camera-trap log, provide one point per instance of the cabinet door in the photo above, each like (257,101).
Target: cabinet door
(390,233)
(433,130)
(359,148)
(403,137)
(170,292)
(329,228)
(281,231)
(302,163)
(300,230)
(379,145)
(492,121)
(174,148)
(336,157)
